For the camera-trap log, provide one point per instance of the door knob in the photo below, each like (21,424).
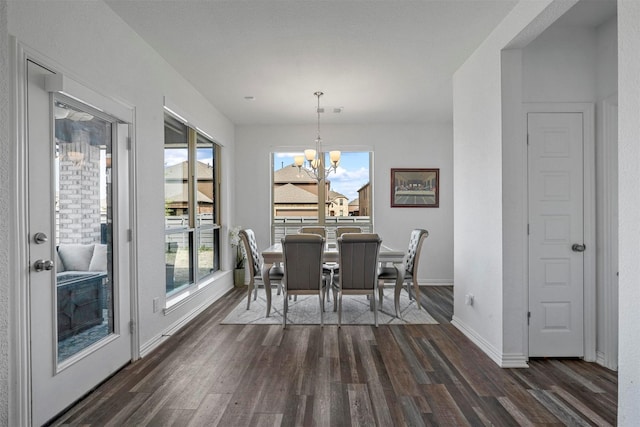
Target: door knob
(40,238)
(42,264)
(577,247)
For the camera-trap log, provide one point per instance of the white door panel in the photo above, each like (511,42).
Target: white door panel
(556,272)
(79,301)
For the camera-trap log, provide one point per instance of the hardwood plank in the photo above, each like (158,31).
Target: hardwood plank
(212,374)
(210,410)
(360,408)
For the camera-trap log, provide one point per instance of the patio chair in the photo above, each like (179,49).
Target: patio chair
(358,274)
(276,272)
(302,254)
(408,273)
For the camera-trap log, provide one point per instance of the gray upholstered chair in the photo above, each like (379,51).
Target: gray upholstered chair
(342,230)
(327,268)
(358,258)
(254,263)
(302,255)
(320,231)
(408,272)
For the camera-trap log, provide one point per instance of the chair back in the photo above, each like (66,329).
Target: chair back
(320,231)
(248,238)
(342,230)
(358,258)
(413,252)
(302,255)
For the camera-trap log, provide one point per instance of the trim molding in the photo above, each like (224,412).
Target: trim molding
(610,232)
(20,352)
(509,360)
(158,339)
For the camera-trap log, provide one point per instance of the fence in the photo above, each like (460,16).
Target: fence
(290,225)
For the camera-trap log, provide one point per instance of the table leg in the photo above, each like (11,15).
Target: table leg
(267,285)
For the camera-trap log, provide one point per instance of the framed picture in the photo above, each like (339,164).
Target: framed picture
(415,188)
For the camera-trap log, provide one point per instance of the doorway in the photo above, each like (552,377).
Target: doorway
(79,292)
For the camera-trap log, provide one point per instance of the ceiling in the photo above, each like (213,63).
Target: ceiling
(381,61)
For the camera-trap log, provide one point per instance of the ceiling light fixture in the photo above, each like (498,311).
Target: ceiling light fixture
(315,157)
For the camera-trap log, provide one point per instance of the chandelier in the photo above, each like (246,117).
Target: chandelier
(315,157)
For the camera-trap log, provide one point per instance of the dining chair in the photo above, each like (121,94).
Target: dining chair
(358,258)
(302,255)
(342,230)
(254,262)
(328,267)
(408,272)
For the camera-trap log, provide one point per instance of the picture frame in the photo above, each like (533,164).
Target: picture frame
(415,188)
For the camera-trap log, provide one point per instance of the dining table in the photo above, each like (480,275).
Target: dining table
(273,255)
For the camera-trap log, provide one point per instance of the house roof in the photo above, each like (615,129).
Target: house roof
(335,195)
(290,193)
(179,171)
(291,174)
(176,192)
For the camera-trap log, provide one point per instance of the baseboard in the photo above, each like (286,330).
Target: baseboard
(158,339)
(600,359)
(435,282)
(503,360)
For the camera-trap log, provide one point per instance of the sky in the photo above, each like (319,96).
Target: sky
(351,175)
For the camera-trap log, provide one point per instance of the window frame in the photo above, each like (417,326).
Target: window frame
(322,219)
(194,227)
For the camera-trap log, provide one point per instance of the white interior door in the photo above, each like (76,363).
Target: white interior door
(556,234)
(79,291)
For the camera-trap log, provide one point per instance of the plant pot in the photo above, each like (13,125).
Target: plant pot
(238,277)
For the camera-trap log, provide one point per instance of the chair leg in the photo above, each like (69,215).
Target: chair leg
(255,293)
(284,312)
(380,292)
(335,299)
(416,291)
(396,297)
(375,309)
(339,310)
(321,298)
(249,290)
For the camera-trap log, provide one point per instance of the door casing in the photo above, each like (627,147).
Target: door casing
(589,188)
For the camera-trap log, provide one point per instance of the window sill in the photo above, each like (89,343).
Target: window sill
(179,300)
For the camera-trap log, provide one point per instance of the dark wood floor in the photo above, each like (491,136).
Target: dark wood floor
(236,375)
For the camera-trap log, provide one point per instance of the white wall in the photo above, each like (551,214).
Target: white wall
(91,44)
(4,215)
(481,244)
(395,146)
(629,210)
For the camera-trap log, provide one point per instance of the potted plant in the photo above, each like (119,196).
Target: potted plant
(236,243)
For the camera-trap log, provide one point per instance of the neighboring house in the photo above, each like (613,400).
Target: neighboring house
(364,197)
(338,204)
(176,189)
(292,200)
(354,207)
(295,192)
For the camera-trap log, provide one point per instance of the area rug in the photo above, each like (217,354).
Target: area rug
(306,311)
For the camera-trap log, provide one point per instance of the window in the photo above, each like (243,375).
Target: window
(296,194)
(192,230)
